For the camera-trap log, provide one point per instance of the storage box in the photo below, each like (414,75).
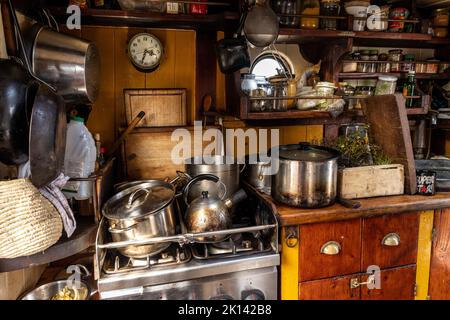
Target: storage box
(371,181)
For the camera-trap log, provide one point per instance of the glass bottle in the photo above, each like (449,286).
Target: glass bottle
(310,8)
(409,89)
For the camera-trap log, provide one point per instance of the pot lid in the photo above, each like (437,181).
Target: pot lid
(307,152)
(139,201)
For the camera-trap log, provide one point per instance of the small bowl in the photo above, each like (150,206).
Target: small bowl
(47,291)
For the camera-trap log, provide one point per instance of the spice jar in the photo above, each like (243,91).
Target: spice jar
(408,64)
(432,65)
(373,56)
(330,8)
(396,56)
(440,32)
(280,90)
(421,67)
(287,7)
(443,66)
(440,17)
(310,8)
(386,85)
(398,14)
(384,67)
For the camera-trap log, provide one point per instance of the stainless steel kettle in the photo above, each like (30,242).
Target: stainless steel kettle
(209,213)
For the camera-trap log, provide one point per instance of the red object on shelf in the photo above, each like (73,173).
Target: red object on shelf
(198,8)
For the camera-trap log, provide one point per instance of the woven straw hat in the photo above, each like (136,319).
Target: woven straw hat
(29,223)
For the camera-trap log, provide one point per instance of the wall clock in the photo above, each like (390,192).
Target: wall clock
(145,51)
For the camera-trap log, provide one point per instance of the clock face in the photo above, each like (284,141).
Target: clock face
(145,51)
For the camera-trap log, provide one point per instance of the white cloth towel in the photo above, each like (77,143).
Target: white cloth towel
(53,193)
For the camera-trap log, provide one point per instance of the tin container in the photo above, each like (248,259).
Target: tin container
(426,182)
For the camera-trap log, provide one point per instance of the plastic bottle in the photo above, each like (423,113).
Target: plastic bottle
(79,159)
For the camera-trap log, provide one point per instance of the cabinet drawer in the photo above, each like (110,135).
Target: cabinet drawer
(329,289)
(390,241)
(329,249)
(395,284)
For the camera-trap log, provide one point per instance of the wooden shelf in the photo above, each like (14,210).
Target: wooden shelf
(362,38)
(103,17)
(400,75)
(83,238)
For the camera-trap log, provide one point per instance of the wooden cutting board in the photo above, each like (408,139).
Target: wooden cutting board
(389,128)
(162,107)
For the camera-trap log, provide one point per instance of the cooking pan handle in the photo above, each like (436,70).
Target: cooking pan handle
(202,177)
(133,195)
(304,145)
(113,229)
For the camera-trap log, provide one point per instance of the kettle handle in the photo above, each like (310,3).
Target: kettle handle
(198,178)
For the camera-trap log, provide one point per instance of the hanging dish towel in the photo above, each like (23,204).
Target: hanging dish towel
(53,193)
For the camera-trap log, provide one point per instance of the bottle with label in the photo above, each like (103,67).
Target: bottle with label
(79,159)
(409,89)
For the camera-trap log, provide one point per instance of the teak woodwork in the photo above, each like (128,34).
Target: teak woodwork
(406,226)
(337,288)
(440,259)
(313,237)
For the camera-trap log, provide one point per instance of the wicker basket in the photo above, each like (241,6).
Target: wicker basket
(29,223)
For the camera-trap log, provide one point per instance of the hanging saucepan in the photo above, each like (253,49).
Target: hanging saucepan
(17,93)
(70,64)
(232,53)
(261,27)
(46,135)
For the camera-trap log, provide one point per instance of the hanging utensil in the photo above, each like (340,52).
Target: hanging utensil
(261,26)
(232,54)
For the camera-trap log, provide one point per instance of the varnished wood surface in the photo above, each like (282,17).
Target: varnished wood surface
(316,265)
(290,216)
(440,258)
(396,284)
(337,288)
(375,229)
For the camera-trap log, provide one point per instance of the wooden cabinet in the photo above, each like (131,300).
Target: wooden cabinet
(439,288)
(337,288)
(335,247)
(395,284)
(390,241)
(335,258)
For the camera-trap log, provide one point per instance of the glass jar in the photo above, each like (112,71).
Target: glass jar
(378,18)
(310,8)
(440,32)
(283,7)
(408,64)
(432,65)
(384,67)
(421,67)
(330,8)
(364,66)
(386,85)
(398,14)
(395,56)
(440,17)
(248,83)
(280,90)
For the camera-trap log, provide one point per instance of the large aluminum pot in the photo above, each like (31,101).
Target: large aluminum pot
(70,64)
(259,174)
(49,290)
(141,212)
(307,176)
(226,169)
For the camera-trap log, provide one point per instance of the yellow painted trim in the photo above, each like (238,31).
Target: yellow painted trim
(424,254)
(289,269)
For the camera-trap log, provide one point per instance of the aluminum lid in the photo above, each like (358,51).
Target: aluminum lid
(307,152)
(139,201)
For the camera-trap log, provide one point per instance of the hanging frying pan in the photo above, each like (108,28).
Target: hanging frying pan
(47,130)
(47,137)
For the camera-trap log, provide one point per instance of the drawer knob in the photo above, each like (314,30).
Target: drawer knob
(391,240)
(331,248)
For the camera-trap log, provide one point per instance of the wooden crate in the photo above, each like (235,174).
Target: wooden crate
(162,107)
(371,181)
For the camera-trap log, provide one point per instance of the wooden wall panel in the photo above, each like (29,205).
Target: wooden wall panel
(102,117)
(440,259)
(13,284)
